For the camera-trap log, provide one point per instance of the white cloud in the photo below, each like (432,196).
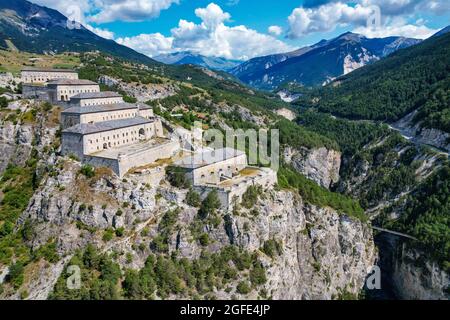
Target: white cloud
(398,28)
(104,33)
(211,38)
(275,30)
(149,44)
(129,10)
(328,15)
(101,11)
(303,21)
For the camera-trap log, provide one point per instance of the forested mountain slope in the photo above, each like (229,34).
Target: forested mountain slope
(409,79)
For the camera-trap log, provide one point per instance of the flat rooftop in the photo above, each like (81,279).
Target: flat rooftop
(209,157)
(96,95)
(72,82)
(90,128)
(31,69)
(99,108)
(131,149)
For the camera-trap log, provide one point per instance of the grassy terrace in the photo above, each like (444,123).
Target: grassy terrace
(14,61)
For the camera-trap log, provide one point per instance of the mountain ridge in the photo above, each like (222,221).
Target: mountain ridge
(38,29)
(189,57)
(320,63)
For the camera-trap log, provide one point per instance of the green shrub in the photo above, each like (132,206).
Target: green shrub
(209,205)
(204,239)
(243,287)
(177,177)
(250,196)
(120,231)
(108,234)
(87,170)
(193,198)
(15,275)
(272,248)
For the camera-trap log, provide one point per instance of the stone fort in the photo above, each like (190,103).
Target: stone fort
(102,130)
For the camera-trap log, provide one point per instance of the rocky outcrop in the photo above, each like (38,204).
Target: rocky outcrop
(320,165)
(422,135)
(142,92)
(324,253)
(15,143)
(286,113)
(410,273)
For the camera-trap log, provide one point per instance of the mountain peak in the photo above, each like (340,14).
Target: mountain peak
(190,57)
(350,36)
(38,29)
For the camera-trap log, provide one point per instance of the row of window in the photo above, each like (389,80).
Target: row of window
(102,102)
(78,91)
(47,78)
(141,132)
(120,116)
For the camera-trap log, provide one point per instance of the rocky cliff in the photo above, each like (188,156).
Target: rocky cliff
(423,135)
(320,165)
(324,254)
(409,272)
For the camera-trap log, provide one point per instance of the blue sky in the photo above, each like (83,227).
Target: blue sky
(242,29)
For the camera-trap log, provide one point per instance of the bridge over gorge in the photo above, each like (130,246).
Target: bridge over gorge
(394,233)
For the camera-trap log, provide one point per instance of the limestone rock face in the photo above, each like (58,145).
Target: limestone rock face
(323,255)
(320,165)
(15,143)
(410,272)
(419,134)
(425,282)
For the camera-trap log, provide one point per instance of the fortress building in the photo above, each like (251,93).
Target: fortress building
(96,98)
(65,89)
(43,75)
(99,113)
(226,171)
(214,166)
(102,130)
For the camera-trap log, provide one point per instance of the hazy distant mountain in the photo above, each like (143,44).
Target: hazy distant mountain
(187,57)
(34,28)
(320,63)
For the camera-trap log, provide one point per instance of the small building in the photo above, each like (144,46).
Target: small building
(65,89)
(44,75)
(213,166)
(226,172)
(96,98)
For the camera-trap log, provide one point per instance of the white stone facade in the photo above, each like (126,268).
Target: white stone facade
(81,144)
(79,115)
(29,75)
(63,90)
(226,171)
(212,167)
(230,195)
(101,98)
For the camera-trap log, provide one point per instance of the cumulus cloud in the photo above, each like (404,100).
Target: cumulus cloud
(398,28)
(149,44)
(104,33)
(326,15)
(211,37)
(275,30)
(303,21)
(129,10)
